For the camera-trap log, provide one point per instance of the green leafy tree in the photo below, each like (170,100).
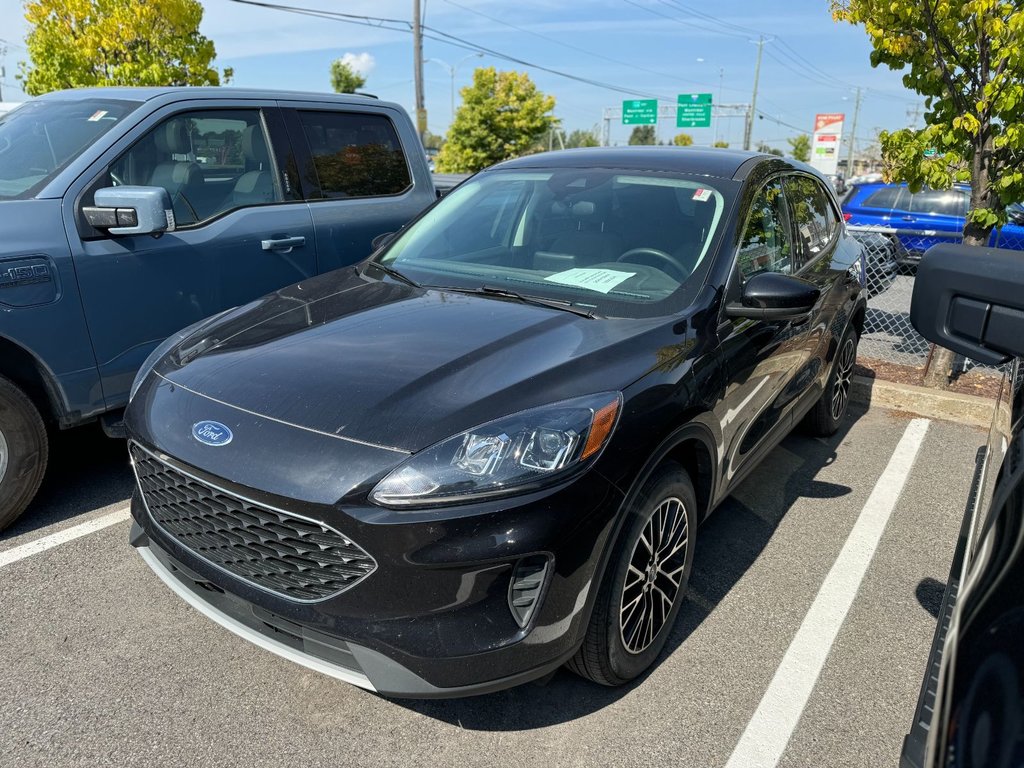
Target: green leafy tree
(765,148)
(721,144)
(581,138)
(643,135)
(80,43)
(683,140)
(800,147)
(967,59)
(502,115)
(344,79)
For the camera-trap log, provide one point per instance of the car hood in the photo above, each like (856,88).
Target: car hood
(402,367)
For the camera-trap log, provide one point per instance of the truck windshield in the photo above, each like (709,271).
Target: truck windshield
(39,138)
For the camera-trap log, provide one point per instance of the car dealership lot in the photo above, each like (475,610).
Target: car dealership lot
(104,665)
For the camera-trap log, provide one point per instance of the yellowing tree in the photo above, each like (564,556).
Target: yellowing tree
(502,115)
(79,43)
(683,140)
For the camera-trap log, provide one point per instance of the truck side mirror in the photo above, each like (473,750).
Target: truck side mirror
(131,211)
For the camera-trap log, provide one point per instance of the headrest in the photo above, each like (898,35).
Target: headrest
(254,144)
(172,138)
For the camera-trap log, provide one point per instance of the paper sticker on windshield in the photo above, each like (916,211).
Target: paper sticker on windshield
(98,115)
(600,280)
(702,194)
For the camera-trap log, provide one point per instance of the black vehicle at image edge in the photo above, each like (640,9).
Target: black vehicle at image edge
(485,451)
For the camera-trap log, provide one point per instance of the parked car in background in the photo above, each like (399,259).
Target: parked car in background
(485,451)
(128,214)
(970,711)
(838,183)
(922,219)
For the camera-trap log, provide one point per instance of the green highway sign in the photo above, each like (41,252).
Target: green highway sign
(640,112)
(694,110)
(931,152)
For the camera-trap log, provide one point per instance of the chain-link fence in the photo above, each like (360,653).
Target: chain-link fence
(891,265)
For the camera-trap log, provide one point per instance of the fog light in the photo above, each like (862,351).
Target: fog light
(526,586)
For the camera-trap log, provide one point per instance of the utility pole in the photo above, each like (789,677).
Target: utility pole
(752,115)
(718,112)
(853,138)
(417,57)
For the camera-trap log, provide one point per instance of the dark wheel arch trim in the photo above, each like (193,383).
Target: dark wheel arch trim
(36,380)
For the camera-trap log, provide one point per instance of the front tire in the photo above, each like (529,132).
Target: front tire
(830,410)
(23,452)
(645,583)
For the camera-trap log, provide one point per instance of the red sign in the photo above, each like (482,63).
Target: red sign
(821,120)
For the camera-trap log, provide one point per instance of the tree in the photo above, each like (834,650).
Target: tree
(344,79)
(683,140)
(432,140)
(502,115)
(581,138)
(764,148)
(800,147)
(721,144)
(80,43)
(967,60)
(642,134)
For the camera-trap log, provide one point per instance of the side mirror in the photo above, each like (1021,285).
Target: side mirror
(381,240)
(772,296)
(131,211)
(971,300)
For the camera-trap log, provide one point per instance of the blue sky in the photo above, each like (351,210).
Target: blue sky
(650,47)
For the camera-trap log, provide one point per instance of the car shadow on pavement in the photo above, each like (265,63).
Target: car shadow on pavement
(729,542)
(87,471)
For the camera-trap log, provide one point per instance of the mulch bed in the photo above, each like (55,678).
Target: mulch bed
(980,383)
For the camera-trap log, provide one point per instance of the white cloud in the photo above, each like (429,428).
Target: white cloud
(363,63)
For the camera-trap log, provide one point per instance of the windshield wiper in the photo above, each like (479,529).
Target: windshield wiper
(505,293)
(392,272)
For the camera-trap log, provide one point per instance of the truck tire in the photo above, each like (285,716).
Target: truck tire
(23,451)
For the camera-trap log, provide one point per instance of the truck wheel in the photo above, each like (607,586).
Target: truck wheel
(645,583)
(828,413)
(23,452)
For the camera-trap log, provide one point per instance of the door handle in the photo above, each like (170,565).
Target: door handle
(909,218)
(283,243)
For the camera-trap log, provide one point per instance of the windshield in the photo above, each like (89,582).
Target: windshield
(619,243)
(40,138)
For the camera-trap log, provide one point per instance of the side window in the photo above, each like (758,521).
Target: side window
(887,198)
(813,217)
(354,155)
(766,245)
(949,202)
(209,162)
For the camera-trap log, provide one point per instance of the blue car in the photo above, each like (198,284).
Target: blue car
(923,218)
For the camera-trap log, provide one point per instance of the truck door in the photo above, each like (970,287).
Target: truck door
(241,229)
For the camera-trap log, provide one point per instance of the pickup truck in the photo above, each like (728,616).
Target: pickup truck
(127,214)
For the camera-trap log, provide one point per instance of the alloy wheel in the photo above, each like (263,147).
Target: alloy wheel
(4,453)
(844,372)
(655,576)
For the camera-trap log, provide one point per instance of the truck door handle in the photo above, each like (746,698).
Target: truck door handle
(283,243)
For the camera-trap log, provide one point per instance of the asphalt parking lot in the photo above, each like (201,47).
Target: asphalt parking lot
(103,665)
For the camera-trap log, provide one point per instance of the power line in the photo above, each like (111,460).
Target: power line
(679,21)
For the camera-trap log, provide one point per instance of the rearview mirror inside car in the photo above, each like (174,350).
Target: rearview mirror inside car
(131,211)
(774,296)
(971,300)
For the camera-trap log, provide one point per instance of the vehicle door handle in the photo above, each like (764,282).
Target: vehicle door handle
(283,243)
(909,218)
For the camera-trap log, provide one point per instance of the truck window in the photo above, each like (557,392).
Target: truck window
(354,155)
(209,161)
(40,138)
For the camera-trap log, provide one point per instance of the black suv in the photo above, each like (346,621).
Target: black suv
(485,451)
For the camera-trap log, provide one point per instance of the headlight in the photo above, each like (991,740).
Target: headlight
(510,455)
(167,345)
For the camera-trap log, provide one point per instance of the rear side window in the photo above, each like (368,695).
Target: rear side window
(354,155)
(888,198)
(951,202)
(813,216)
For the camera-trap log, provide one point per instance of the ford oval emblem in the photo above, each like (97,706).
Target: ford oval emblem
(211,433)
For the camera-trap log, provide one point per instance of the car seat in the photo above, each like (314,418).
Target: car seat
(183,179)
(256,185)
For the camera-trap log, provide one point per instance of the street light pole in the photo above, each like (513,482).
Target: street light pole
(451,73)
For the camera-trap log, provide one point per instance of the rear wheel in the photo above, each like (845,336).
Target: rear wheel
(23,452)
(830,410)
(645,583)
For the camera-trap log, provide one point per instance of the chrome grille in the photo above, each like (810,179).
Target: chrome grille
(282,553)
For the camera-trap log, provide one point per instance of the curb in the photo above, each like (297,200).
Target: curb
(949,406)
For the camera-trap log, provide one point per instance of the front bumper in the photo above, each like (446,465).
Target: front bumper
(434,618)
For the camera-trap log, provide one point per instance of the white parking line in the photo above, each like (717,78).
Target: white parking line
(769,730)
(22,551)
